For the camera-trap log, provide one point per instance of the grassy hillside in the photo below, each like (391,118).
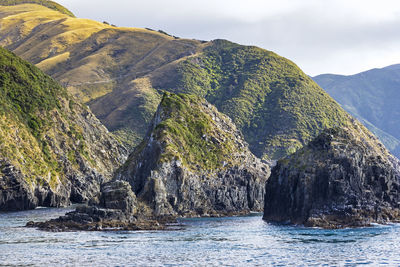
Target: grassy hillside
(371,96)
(122,72)
(46,3)
(277,107)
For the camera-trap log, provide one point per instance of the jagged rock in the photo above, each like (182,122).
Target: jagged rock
(118,195)
(343,178)
(15,193)
(194,162)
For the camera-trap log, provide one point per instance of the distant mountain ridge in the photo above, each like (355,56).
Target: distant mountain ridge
(372,97)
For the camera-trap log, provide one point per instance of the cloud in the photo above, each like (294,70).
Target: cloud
(336,36)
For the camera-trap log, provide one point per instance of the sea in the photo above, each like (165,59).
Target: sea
(229,241)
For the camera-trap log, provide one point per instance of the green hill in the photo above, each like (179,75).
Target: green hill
(372,97)
(122,72)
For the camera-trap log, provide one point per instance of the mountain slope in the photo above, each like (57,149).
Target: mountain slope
(52,149)
(371,96)
(122,73)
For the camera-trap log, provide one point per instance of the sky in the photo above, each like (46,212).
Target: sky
(320,36)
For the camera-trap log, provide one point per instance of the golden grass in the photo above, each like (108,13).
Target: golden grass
(114,56)
(50,63)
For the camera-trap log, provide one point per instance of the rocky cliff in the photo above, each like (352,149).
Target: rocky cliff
(53,150)
(194,162)
(343,178)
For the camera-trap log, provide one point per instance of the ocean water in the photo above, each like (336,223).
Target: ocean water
(232,241)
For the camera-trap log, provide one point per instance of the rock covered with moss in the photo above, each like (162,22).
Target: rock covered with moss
(343,178)
(194,162)
(53,150)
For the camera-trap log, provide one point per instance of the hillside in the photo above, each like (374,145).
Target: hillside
(372,97)
(52,149)
(122,72)
(46,3)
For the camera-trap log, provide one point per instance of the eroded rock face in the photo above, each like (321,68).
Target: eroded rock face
(16,194)
(343,178)
(194,162)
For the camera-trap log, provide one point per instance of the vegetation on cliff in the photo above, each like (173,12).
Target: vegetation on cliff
(193,161)
(47,139)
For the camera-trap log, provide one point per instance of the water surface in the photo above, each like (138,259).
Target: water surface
(232,241)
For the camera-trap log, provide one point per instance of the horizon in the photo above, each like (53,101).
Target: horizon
(334,37)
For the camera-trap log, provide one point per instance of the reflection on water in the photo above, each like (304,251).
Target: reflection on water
(202,241)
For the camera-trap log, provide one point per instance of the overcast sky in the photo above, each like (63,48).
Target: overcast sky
(320,36)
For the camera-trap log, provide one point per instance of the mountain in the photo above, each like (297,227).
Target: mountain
(53,150)
(343,178)
(372,97)
(121,73)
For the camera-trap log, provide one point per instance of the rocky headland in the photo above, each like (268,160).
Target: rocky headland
(343,178)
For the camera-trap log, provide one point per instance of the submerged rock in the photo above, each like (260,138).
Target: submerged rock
(343,178)
(194,162)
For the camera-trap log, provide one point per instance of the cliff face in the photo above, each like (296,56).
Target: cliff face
(344,177)
(53,150)
(193,161)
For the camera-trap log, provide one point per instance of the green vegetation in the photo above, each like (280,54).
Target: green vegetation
(277,107)
(27,92)
(189,134)
(46,3)
(32,105)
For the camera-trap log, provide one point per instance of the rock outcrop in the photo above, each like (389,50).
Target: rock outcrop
(117,210)
(53,150)
(194,162)
(343,178)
